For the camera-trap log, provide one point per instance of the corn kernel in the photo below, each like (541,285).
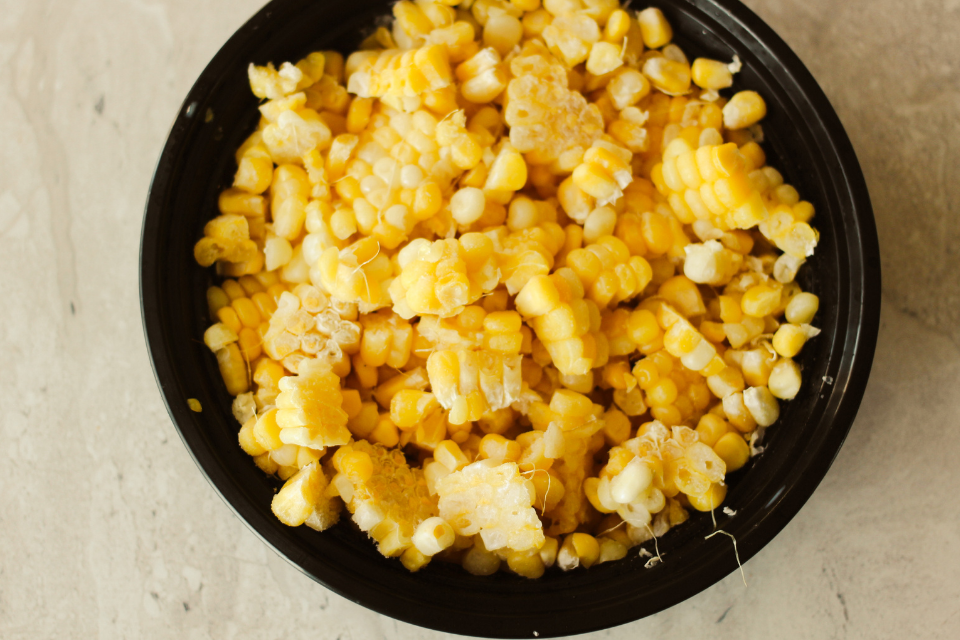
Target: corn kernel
(744,109)
(655,28)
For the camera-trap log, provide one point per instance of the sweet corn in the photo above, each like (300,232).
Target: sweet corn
(615,218)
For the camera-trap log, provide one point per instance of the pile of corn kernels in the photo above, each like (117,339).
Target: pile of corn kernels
(511,284)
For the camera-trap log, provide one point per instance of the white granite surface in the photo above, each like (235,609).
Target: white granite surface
(108,530)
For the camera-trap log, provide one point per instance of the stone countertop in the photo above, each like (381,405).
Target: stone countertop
(108,528)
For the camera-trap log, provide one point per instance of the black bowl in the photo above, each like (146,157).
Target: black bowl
(804,139)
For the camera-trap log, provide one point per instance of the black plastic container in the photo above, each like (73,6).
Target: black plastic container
(804,139)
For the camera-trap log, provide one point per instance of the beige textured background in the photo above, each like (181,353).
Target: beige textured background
(107,529)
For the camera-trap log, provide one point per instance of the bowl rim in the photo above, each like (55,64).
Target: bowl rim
(862,339)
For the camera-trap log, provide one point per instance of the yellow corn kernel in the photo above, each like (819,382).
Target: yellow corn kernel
(627,88)
(351,403)
(789,340)
(254,172)
(604,58)
(268,373)
(355,464)
(711,499)
(571,403)
(246,312)
(711,428)
(570,37)
(617,26)
(433,535)
(218,336)
(728,381)
(655,28)
(249,342)
(385,433)
(784,381)
(802,308)
(729,309)
(358,115)
(733,450)
(646,374)
(449,454)
(528,564)
(233,289)
(760,300)
(711,74)
(266,431)
(216,300)
(669,76)
(663,393)
(682,293)
(268,82)
(233,369)
(496,447)
(247,439)
(745,108)
(508,172)
(266,464)
(410,407)
(413,560)
(480,562)
(467,205)
(502,32)
(578,549)
(762,405)
(413,379)
(299,496)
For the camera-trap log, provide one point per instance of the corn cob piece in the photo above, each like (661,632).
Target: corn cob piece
(607,271)
(562,319)
(471,383)
(546,118)
(442,277)
(303,500)
(359,273)
(494,501)
(709,183)
(605,172)
(388,498)
(399,78)
(309,412)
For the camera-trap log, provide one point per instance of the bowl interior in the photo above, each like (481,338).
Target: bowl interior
(804,140)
